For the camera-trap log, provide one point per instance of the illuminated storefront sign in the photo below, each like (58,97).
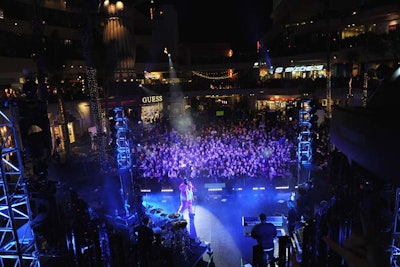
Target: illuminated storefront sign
(152,99)
(299,68)
(152,75)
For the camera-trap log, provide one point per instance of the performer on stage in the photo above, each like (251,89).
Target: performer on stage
(186,196)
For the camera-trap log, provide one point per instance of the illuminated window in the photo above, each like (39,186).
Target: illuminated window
(353,31)
(67,42)
(393,27)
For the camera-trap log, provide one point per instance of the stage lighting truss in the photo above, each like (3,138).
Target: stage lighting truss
(124,158)
(304,151)
(395,253)
(18,246)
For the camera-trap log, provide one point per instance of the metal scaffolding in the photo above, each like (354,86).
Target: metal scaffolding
(304,149)
(124,158)
(18,246)
(395,257)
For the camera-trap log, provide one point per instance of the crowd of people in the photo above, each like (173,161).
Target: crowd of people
(220,151)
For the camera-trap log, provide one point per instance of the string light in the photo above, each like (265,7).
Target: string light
(364,96)
(95,108)
(211,76)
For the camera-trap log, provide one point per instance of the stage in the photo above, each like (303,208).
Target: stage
(218,222)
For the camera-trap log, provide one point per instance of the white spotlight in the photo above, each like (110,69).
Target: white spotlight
(396,74)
